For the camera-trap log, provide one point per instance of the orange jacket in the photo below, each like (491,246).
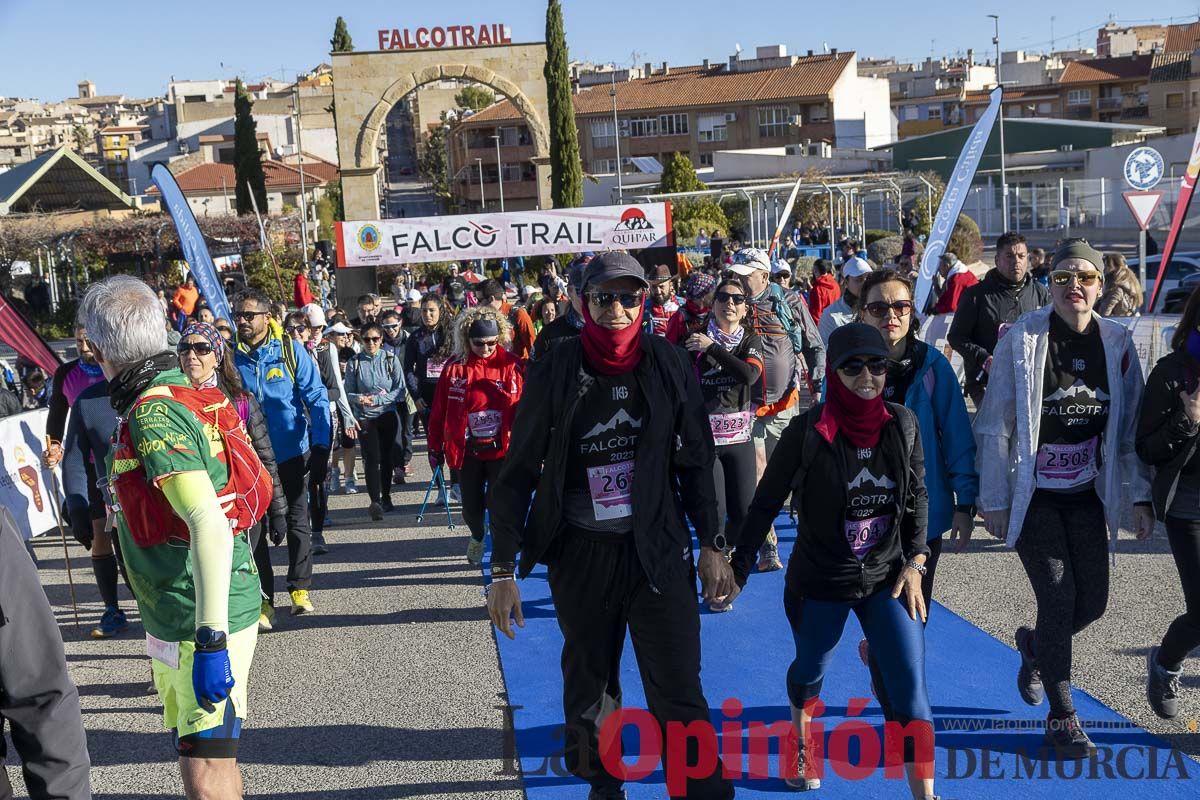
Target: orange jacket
(185,299)
(523,330)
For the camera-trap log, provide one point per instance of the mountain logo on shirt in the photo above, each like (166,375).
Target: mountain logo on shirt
(865,477)
(1077,391)
(619,418)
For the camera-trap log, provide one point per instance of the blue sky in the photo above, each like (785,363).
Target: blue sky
(47,46)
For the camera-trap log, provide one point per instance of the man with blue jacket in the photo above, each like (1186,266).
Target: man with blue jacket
(286,385)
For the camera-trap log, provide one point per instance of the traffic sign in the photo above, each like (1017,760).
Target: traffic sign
(1144,168)
(1142,205)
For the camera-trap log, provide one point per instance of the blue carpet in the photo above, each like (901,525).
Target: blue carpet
(989,743)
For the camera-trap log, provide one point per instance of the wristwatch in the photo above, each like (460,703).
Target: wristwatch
(209,640)
(720,543)
(912,563)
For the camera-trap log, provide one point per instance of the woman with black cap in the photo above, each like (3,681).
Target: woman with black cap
(855,470)
(473,410)
(1055,436)
(615,439)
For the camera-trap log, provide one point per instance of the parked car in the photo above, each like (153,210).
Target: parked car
(1181,266)
(1177,298)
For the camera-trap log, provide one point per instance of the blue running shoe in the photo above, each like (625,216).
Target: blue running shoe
(111,623)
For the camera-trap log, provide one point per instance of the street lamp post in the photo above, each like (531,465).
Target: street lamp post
(1000,83)
(499,170)
(617,138)
(482,199)
(300,155)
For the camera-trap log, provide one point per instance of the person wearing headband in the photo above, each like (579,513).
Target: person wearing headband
(612,449)
(473,410)
(1058,468)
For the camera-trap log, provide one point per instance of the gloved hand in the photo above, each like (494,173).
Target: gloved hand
(212,677)
(318,463)
(279,529)
(436,459)
(81,526)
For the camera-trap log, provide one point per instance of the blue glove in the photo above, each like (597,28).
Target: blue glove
(212,677)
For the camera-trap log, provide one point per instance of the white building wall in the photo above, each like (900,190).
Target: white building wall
(862,111)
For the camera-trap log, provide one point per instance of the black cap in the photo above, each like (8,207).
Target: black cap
(611,265)
(855,339)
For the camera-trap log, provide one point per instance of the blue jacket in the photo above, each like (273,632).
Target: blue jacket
(946,439)
(284,394)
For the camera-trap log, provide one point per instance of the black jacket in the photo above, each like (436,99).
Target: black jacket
(673,461)
(260,436)
(982,307)
(37,697)
(1166,438)
(551,334)
(822,566)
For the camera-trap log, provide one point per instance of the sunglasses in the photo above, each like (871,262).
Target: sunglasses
(199,348)
(391,326)
(880,310)
(855,366)
(372,339)
(628,299)
(481,343)
(735,299)
(248,315)
(1062,277)
(296,328)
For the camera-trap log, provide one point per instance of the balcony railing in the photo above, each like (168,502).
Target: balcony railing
(1109,104)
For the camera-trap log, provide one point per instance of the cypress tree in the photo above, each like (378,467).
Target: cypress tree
(247,159)
(341,41)
(566,169)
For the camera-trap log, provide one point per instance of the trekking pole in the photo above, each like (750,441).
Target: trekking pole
(433,480)
(445,497)
(63,535)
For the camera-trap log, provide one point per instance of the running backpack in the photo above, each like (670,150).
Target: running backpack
(245,497)
(783,310)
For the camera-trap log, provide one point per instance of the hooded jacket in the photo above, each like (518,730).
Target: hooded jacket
(1008,422)
(825,291)
(284,394)
(1122,296)
(1166,438)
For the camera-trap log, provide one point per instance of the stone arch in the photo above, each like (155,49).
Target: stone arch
(368,133)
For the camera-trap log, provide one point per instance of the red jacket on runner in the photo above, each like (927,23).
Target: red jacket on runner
(824,293)
(476,399)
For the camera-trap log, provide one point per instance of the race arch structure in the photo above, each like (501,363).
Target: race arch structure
(367,84)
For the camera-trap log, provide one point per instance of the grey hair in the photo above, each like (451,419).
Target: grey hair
(124,320)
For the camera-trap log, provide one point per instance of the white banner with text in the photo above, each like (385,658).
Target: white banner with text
(26,487)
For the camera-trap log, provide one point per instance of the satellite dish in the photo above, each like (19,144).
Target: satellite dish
(737,48)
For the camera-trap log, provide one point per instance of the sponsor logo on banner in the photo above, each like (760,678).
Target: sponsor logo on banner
(26,491)
(493,236)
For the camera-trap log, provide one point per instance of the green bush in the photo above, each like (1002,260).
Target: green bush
(886,250)
(874,235)
(966,242)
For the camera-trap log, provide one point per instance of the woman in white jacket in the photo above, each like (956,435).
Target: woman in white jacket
(1055,438)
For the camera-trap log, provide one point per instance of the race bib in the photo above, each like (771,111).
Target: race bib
(733,428)
(484,424)
(611,487)
(863,534)
(163,652)
(1065,466)
(433,369)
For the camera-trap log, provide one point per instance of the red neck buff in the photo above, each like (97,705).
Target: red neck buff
(859,420)
(611,352)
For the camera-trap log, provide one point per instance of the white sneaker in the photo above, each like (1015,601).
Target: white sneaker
(455,494)
(351,486)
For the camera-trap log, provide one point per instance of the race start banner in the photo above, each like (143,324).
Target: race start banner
(515,233)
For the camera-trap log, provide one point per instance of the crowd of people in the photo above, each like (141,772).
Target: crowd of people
(674,410)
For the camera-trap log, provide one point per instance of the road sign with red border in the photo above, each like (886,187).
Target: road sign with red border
(1142,206)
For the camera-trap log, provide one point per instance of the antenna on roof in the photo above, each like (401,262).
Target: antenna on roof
(737,48)
(825,46)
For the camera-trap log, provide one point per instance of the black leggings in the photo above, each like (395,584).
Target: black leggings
(378,435)
(1184,634)
(474,479)
(1064,549)
(734,476)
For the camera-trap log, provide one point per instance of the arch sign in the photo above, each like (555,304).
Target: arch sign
(516,233)
(448,36)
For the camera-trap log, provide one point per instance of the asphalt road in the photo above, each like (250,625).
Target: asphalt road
(389,690)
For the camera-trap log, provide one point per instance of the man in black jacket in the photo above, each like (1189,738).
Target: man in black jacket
(568,325)
(617,444)
(37,697)
(987,309)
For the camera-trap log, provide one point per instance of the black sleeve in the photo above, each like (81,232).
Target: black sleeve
(509,496)
(261,439)
(694,454)
(56,419)
(37,696)
(914,531)
(772,491)
(410,356)
(962,328)
(329,376)
(1163,429)
(745,372)
(9,403)
(76,449)
(539,344)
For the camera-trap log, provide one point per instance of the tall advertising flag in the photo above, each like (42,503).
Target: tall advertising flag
(783,218)
(1186,188)
(191,241)
(17,333)
(955,195)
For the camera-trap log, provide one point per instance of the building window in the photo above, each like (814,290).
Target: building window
(643,126)
(509,137)
(903,86)
(1044,108)
(194,98)
(818,113)
(604,166)
(772,121)
(511,173)
(712,128)
(706,159)
(1175,100)
(1079,97)
(934,112)
(603,133)
(673,124)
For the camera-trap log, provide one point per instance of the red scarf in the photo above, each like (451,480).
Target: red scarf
(859,420)
(611,352)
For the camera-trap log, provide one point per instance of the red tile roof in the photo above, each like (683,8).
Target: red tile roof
(1013,93)
(206,178)
(810,77)
(1102,70)
(1182,38)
